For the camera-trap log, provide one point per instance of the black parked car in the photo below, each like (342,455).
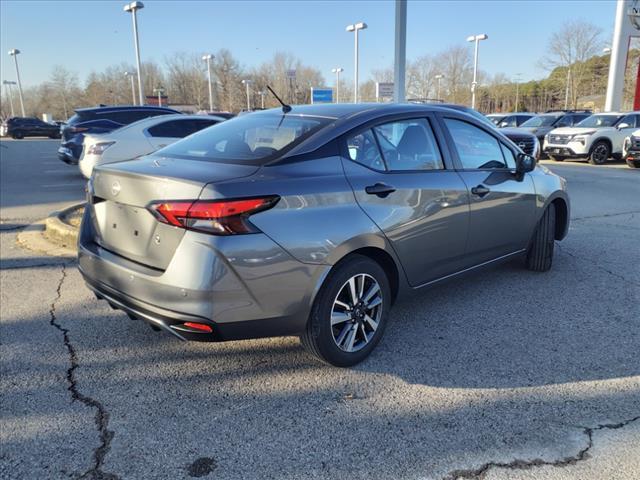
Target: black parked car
(100,120)
(502,120)
(20,127)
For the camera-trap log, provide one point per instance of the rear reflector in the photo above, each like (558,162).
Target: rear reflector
(199,326)
(219,217)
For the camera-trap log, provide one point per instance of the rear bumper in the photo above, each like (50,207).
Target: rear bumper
(243,287)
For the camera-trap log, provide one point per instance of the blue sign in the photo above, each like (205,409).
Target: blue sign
(321,95)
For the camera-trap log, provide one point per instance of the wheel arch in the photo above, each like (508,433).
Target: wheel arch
(607,140)
(561,203)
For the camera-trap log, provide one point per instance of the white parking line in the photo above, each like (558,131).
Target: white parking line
(58,171)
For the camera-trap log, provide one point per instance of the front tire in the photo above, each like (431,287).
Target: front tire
(633,163)
(350,312)
(599,153)
(18,135)
(540,252)
(556,159)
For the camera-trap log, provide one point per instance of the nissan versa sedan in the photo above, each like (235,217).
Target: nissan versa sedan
(312,221)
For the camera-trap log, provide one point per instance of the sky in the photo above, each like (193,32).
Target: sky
(86,36)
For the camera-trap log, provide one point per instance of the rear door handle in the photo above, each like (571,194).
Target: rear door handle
(480,190)
(380,189)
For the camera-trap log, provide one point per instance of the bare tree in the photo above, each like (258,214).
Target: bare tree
(569,49)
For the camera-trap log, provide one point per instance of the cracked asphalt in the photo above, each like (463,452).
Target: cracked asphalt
(505,374)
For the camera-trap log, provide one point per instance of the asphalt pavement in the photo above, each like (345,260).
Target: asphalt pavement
(505,374)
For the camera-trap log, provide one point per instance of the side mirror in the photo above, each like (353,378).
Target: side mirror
(503,124)
(525,163)
(623,125)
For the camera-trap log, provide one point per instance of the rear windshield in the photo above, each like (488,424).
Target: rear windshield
(249,139)
(540,121)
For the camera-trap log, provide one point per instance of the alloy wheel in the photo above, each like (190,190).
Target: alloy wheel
(600,153)
(356,312)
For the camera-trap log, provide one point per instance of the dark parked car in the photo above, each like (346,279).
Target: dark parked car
(542,124)
(100,120)
(502,120)
(313,222)
(20,127)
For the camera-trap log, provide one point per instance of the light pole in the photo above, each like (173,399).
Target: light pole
(517,77)
(14,53)
(566,90)
(159,91)
(337,71)
(263,93)
(133,7)
(476,39)
(8,84)
(246,83)
(438,77)
(355,28)
(207,58)
(133,87)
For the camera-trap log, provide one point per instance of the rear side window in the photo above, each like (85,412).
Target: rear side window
(253,139)
(409,145)
(477,150)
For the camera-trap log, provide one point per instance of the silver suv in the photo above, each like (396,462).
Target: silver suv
(312,222)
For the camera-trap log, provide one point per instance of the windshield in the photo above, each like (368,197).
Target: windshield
(599,121)
(252,139)
(540,121)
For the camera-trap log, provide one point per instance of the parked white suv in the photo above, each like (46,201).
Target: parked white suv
(596,138)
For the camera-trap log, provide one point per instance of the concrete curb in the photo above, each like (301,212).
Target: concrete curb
(52,236)
(58,231)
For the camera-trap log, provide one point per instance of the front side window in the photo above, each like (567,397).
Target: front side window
(363,149)
(476,148)
(409,145)
(509,156)
(249,140)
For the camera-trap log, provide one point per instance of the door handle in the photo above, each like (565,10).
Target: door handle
(380,189)
(480,191)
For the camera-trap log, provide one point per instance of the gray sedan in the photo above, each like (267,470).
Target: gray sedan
(313,221)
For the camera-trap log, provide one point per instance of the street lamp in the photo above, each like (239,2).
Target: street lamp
(476,39)
(14,53)
(159,91)
(131,75)
(438,77)
(207,58)
(262,93)
(246,83)
(133,7)
(8,84)
(517,77)
(355,28)
(337,71)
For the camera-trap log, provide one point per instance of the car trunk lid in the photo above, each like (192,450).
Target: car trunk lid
(120,193)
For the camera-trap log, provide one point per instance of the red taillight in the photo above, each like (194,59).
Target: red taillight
(220,217)
(199,326)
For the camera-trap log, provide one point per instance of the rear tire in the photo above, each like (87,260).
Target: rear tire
(540,252)
(330,325)
(556,159)
(599,153)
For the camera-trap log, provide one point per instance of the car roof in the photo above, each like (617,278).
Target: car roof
(344,110)
(118,108)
